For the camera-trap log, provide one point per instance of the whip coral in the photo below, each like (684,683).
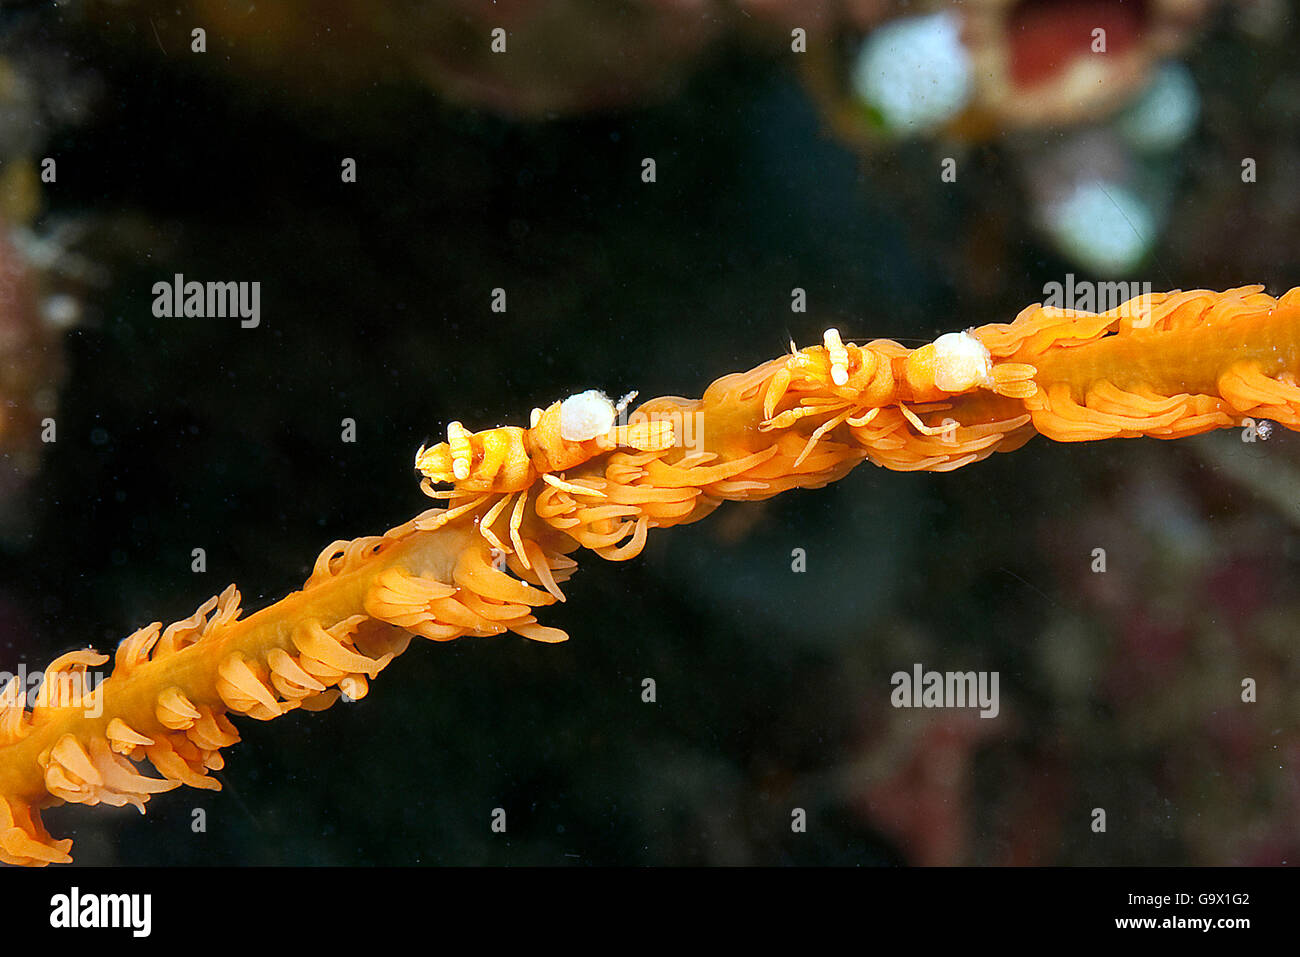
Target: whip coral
(520,501)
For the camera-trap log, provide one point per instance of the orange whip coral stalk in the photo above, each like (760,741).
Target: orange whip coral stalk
(519,501)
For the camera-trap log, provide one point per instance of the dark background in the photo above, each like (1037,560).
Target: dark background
(1118,691)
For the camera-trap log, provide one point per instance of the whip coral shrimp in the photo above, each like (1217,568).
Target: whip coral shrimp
(862,380)
(508,461)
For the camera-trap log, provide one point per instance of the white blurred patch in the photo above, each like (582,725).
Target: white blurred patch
(61,310)
(915,72)
(1104,227)
(1164,116)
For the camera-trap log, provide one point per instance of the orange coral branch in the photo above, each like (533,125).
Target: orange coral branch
(521,500)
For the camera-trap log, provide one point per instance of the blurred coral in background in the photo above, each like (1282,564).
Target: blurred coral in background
(42,279)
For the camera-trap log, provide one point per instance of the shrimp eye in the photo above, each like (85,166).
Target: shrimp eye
(586,415)
(961,362)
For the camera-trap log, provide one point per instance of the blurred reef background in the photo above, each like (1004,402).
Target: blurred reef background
(776,168)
